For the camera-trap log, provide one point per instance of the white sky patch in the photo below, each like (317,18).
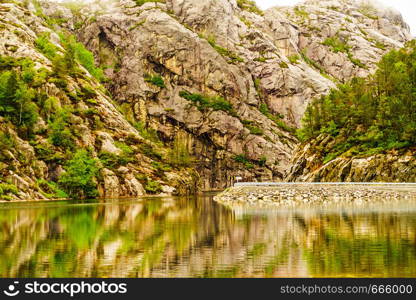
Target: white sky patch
(406,7)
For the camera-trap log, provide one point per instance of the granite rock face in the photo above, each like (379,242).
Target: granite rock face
(275,61)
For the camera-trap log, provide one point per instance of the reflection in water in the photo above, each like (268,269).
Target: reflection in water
(184,237)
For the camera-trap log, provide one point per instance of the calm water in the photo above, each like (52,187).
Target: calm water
(195,237)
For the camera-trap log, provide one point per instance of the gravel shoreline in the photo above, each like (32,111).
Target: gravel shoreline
(309,194)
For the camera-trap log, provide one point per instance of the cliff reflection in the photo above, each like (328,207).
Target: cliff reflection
(184,237)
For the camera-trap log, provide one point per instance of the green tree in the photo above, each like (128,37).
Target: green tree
(80,177)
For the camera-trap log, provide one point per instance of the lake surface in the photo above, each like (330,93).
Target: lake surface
(196,237)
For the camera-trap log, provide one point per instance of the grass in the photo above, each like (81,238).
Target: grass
(301,12)
(249,5)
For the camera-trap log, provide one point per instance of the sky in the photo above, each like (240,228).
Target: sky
(406,7)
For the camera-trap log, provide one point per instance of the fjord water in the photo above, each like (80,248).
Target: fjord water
(196,237)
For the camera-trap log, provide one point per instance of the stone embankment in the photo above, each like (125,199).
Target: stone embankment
(304,194)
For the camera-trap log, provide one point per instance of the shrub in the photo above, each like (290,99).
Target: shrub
(7,141)
(153,187)
(242,159)
(60,132)
(82,55)
(113,161)
(51,189)
(80,177)
(254,129)
(283,65)
(46,46)
(156,80)
(6,190)
(204,102)
(337,45)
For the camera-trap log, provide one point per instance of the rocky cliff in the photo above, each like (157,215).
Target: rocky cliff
(216,86)
(309,165)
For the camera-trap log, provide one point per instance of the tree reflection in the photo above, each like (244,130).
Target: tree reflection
(187,237)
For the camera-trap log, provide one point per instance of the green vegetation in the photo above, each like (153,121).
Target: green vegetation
(7,141)
(242,159)
(16,94)
(156,80)
(80,177)
(300,12)
(147,132)
(113,161)
(82,55)
(264,109)
(60,133)
(205,102)
(294,59)
(152,187)
(245,21)
(338,45)
(250,6)
(283,65)
(7,190)
(234,58)
(260,59)
(367,116)
(74,52)
(380,45)
(249,163)
(51,190)
(45,46)
(253,129)
(150,151)
(179,155)
(141,2)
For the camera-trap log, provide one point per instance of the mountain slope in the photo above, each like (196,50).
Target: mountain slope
(259,62)
(366,129)
(51,107)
